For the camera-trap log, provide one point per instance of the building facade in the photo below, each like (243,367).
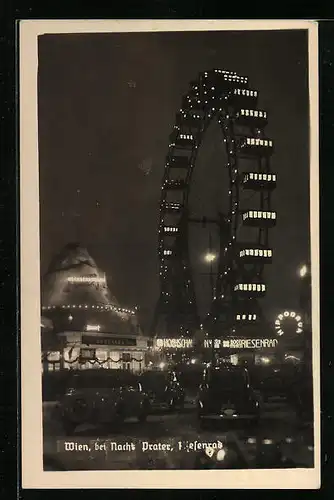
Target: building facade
(83,325)
(74,350)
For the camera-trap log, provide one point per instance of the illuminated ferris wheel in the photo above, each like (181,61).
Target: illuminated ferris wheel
(244,250)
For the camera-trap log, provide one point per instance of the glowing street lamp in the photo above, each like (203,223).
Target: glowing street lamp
(303,271)
(265,360)
(210,257)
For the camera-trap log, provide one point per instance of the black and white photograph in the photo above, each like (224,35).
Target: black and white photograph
(170,315)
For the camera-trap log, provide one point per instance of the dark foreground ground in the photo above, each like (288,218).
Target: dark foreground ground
(279,428)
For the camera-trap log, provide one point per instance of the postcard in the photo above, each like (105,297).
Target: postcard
(169,254)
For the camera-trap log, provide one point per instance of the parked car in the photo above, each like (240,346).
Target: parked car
(102,396)
(225,393)
(163,389)
(276,380)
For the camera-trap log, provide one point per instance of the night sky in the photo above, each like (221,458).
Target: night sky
(107,104)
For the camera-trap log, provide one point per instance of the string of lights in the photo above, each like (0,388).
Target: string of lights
(95,360)
(96,307)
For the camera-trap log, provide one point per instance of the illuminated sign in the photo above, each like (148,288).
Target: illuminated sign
(217,343)
(86,279)
(93,328)
(117,341)
(86,354)
(241,343)
(288,315)
(174,343)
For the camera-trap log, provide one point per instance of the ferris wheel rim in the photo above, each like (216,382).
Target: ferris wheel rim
(225,113)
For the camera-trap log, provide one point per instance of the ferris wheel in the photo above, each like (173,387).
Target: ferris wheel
(227,98)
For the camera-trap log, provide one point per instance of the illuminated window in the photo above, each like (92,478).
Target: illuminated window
(263,287)
(238,316)
(244,316)
(270,253)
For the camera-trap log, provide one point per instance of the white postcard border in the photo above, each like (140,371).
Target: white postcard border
(33,475)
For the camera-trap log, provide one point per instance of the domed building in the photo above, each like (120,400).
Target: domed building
(89,326)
